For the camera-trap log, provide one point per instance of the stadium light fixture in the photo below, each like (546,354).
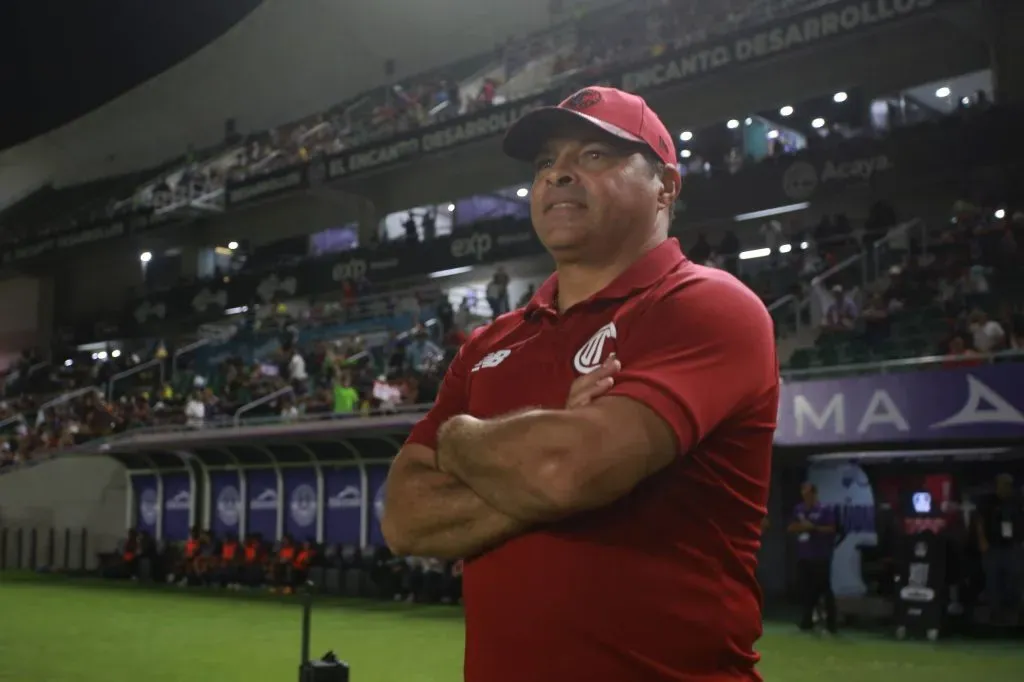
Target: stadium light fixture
(803,246)
(451,208)
(102,355)
(965,100)
(773,134)
(686,153)
(839,97)
(786,111)
(145,256)
(755,253)
(818,123)
(69,362)
(232,245)
(733,124)
(115,353)
(785,248)
(748,120)
(451,272)
(522,192)
(943,92)
(1000,214)
(686,136)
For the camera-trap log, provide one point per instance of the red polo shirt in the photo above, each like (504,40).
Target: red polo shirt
(659,585)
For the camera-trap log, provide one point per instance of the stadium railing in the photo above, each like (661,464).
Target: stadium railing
(902,365)
(793,312)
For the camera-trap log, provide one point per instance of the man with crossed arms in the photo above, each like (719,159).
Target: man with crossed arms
(602,456)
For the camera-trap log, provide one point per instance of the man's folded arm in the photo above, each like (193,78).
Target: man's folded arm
(431,513)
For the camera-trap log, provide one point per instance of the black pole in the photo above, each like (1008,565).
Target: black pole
(33,548)
(51,547)
(83,550)
(307,611)
(3,549)
(67,549)
(19,537)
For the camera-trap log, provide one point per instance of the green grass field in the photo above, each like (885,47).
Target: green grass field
(62,631)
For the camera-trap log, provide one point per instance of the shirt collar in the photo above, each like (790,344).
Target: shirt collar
(644,273)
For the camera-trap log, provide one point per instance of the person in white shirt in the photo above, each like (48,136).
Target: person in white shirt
(195,411)
(988,335)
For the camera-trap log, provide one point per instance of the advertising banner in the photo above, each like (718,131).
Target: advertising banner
(343,511)
(70,235)
(147,504)
(225,503)
(440,137)
(303,503)
(802,31)
(177,506)
(261,487)
(976,403)
(376,476)
(266,185)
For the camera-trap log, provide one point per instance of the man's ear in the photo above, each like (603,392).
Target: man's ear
(671,184)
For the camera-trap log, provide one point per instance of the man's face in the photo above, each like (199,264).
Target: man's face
(589,185)
(809,494)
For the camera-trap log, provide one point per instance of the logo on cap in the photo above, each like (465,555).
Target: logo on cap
(584,99)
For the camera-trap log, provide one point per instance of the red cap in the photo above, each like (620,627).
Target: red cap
(619,113)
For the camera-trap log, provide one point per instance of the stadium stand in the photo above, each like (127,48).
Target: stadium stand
(581,49)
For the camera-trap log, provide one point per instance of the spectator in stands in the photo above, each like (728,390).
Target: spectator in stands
(841,313)
(700,252)
(497,293)
(959,355)
(296,369)
(1000,527)
(346,398)
(422,354)
(195,410)
(988,335)
(876,320)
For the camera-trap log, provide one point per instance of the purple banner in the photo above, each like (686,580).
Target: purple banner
(969,403)
(344,493)
(261,488)
(177,506)
(225,503)
(375,476)
(147,506)
(303,504)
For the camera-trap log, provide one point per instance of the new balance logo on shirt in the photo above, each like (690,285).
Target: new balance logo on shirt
(491,360)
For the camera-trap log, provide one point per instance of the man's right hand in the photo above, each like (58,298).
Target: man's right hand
(588,387)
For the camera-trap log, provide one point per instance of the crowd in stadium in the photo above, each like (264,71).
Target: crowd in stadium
(959,294)
(602,40)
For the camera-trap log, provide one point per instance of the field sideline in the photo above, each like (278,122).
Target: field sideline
(58,630)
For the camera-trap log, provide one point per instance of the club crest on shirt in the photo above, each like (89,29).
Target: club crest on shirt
(591,354)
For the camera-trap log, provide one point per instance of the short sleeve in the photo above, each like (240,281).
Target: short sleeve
(699,356)
(452,399)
